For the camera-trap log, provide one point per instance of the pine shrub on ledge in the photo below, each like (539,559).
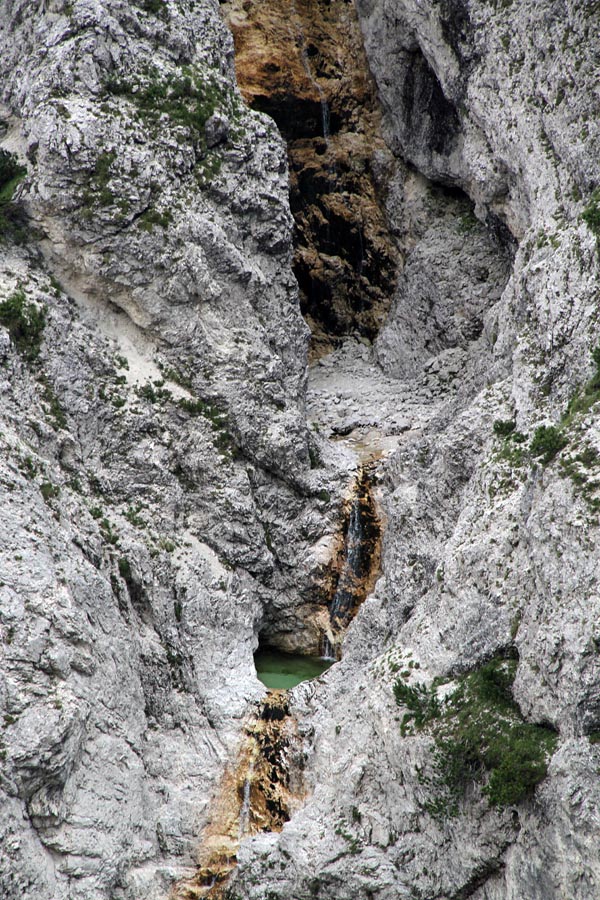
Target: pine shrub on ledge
(479,736)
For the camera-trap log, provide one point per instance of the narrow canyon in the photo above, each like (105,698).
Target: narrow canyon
(300,450)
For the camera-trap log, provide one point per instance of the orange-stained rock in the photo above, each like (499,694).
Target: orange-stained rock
(259,793)
(303,63)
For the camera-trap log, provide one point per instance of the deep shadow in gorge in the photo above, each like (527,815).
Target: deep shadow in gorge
(303,63)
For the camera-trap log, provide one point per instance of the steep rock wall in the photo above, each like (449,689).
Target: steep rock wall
(142,553)
(153,438)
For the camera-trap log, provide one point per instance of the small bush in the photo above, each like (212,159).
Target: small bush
(55,412)
(519,761)
(547,442)
(11,172)
(12,218)
(153,217)
(479,736)
(124,568)
(591,215)
(422,704)
(154,7)
(25,323)
(49,491)
(504,427)
(97,192)
(314,455)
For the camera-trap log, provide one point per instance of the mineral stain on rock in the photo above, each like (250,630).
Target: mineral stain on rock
(265,787)
(258,794)
(360,561)
(303,63)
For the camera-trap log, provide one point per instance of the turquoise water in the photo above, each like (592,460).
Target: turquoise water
(279,670)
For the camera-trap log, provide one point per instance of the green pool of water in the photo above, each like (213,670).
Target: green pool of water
(279,670)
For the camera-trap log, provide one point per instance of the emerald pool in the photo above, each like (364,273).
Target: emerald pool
(278,670)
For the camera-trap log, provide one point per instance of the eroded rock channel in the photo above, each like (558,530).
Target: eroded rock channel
(265,786)
(293,62)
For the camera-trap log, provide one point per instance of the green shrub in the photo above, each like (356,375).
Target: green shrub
(124,568)
(314,455)
(49,491)
(198,407)
(547,441)
(156,7)
(518,759)
(591,215)
(153,217)
(222,438)
(504,427)
(55,412)
(585,398)
(25,323)
(12,218)
(479,736)
(11,172)
(422,704)
(97,192)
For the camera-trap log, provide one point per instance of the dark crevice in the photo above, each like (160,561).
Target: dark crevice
(288,66)
(431,120)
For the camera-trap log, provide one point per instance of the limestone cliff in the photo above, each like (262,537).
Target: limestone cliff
(175,481)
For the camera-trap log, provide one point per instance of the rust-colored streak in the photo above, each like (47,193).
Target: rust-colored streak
(359,563)
(257,794)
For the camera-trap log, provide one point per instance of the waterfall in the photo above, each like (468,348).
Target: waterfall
(325,114)
(359,566)
(327,649)
(245,809)
(353,568)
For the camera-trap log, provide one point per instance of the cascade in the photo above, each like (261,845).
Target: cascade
(325,111)
(289,66)
(330,167)
(258,794)
(360,563)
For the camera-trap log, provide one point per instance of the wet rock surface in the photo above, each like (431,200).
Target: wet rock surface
(292,62)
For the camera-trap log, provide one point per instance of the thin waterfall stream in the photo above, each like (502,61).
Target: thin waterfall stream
(330,166)
(360,564)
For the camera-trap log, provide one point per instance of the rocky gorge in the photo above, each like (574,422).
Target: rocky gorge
(264,266)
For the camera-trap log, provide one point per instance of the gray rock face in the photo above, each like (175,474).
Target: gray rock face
(170,491)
